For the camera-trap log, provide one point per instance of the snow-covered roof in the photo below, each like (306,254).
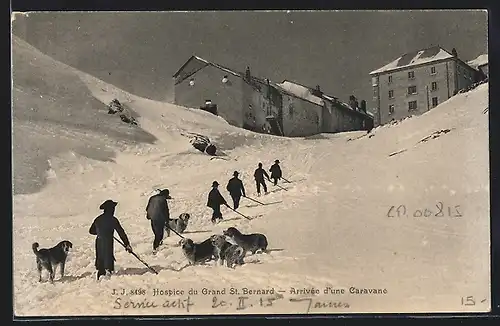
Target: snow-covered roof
(300,92)
(195,64)
(481,60)
(330,98)
(415,58)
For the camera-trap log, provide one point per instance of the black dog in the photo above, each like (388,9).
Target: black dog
(51,258)
(197,253)
(250,242)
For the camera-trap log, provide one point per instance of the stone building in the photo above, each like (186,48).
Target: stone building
(284,109)
(418,81)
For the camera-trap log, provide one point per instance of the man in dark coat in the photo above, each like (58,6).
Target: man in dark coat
(236,189)
(215,200)
(275,172)
(104,227)
(259,179)
(158,213)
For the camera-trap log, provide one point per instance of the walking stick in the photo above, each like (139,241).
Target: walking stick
(168,227)
(281,187)
(258,202)
(134,254)
(286,180)
(248,218)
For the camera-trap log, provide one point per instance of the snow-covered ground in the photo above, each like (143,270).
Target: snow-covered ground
(329,229)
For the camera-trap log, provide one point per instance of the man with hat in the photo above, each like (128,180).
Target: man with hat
(158,213)
(259,175)
(215,200)
(104,227)
(236,189)
(275,172)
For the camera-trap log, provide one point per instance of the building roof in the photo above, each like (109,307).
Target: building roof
(481,60)
(415,58)
(305,93)
(195,64)
(300,91)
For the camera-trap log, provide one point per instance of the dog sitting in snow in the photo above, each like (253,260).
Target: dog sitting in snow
(249,242)
(197,253)
(179,224)
(223,250)
(49,259)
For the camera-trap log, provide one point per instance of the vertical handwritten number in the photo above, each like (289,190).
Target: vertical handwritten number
(418,213)
(427,213)
(440,208)
(449,211)
(457,207)
(389,212)
(403,212)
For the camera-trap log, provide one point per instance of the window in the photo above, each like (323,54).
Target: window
(391,94)
(411,75)
(434,102)
(434,86)
(412,105)
(375,92)
(290,110)
(374,81)
(391,109)
(433,70)
(389,79)
(412,90)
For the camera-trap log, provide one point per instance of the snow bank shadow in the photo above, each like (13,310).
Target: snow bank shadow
(315,137)
(72,278)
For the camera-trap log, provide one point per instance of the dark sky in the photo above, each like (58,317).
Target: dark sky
(139,52)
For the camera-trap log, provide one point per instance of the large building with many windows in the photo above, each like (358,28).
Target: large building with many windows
(418,81)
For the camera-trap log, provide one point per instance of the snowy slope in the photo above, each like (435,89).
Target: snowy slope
(330,228)
(51,102)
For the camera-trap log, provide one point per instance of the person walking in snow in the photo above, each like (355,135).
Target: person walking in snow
(104,227)
(259,175)
(236,189)
(215,200)
(158,213)
(275,172)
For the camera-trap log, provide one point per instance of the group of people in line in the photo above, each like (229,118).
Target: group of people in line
(157,211)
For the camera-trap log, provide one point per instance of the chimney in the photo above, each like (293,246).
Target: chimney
(247,73)
(454,52)
(317,91)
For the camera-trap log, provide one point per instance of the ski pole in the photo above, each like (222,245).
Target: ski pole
(258,202)
(134,254)
(248,218)
(168,227)
(286,180)
(281,187)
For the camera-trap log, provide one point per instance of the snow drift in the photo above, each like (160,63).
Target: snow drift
(335,227)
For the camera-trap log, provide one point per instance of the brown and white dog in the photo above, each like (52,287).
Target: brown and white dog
(179,224)
(250,242)
(233,254)
(197,253)
(50,258)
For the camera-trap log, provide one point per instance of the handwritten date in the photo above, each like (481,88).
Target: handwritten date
(439,210)
(242,302)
